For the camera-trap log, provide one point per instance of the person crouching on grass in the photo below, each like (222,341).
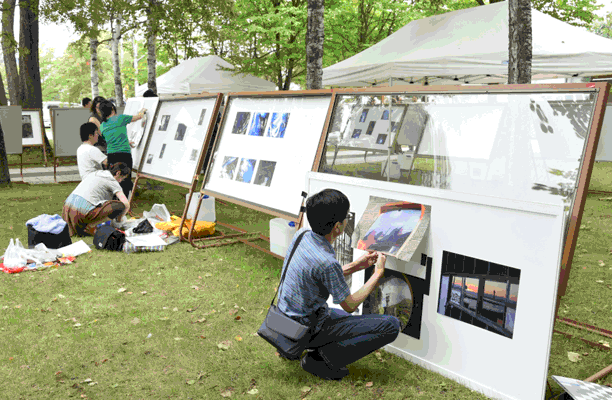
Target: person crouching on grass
(91,202)
(314,274)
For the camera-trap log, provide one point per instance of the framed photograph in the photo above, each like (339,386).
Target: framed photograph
(265,145)
(179,136)
(32,127)
(139,131)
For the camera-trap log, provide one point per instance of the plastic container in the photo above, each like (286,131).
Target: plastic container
(207,208)
(281,233)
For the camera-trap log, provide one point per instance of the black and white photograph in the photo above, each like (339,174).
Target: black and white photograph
(26,123)
(180,132)
(194,155)
(241,123)
(161,153)
(265,171)
(165,119)
(381,138)
(258,125)
(150,158)
(202,114)
(371,127)
(229,167)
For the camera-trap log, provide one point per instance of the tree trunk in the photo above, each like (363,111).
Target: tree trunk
(519,41)
(3,100)
(9,44)
(135,50)
(93,51)
(314,44)
(5,177)
(117,63)
(151,59)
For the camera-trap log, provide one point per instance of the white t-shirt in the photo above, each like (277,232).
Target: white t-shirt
(89,159)
(98,187)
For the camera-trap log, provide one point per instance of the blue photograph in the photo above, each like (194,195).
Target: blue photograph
(385,115)
(241,123)
(229,167)
(247,168)
(278,125)
(259,124)
(364,115)
(395,223)
(265,171)
(356,133)
(381,138)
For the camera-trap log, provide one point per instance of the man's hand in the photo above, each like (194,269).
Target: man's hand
(380,263)
(366,260)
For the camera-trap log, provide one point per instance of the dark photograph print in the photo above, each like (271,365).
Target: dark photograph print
(364,115)
(165,119)
(393,296)
(180,132)
(394,126)
(26,125)
(247,168)
(385,115)
(202,114)
(381,138)
(194,155)
(241,123)
(265,171)
(229,167)
(259,124)
(356,133)
(150,159)
(478,292)
(278,125)
(161,153)
(370,127)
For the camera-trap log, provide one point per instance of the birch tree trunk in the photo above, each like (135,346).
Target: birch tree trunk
(135,51)
(9,44)
(314,44)
(93,51)
(117,63)
(151,58)
(520,41)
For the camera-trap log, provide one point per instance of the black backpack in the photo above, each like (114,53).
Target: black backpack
(109,238)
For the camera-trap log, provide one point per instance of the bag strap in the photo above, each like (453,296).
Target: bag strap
(297,242)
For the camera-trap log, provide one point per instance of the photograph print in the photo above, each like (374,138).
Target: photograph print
(259,124)
(180,132)
(241,123)
(194,155)
(165,119)
(265,171)
(161,153)
(392,296)
(385,115)
(229,167)
(247,168)
(26,124)
(370,127)
(479,293)
(150,159)
(391,226)
(364,115)
(202,114)
(381,139)
(278,125)
(356,134)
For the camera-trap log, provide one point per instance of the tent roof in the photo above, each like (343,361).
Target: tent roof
(202,74)
(472,44)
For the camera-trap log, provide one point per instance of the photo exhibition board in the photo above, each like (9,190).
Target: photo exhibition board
(604,148)
(32,127)
(139,130)
(177,137)
(265,146)
(10,118)
(367,127)
(514,249)
(66,124)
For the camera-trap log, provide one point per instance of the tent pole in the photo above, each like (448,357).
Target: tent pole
(389,135)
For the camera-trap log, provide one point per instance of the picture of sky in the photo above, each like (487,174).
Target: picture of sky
(265,171)
(364,115)
(278,125)
(259,124)
(356,134)
(391,229)
(385,115)
(247,167)
(381,138)
(241,123)
(229,167)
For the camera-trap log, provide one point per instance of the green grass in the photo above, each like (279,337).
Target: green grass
(45,355)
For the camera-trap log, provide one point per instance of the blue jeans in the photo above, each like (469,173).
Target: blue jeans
(345,338)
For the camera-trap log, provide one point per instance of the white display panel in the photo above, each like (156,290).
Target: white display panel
(521,235)
(264,147)
(31,121)
(138,131)
(177,138)
(604,148)
(66,124)
(10,118)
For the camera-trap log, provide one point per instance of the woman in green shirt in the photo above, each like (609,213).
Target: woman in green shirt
(118,146)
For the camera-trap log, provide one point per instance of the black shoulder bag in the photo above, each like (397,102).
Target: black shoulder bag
(288,336)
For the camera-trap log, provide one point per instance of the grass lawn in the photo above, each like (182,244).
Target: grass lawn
(70,333)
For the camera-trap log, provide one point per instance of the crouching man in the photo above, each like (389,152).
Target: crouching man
(339,338)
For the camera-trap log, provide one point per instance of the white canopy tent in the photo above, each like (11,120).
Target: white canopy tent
(204,74)
(472,46)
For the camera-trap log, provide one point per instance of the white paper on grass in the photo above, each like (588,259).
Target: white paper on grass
(179,158)
(31,127)
(150,239)
(517,234)
(138,133)
(75,249)
(293,154)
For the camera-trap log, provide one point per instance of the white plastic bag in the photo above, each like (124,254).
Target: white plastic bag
(14,256)
(158,213)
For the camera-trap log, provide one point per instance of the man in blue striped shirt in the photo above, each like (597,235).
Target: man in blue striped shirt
(339,338)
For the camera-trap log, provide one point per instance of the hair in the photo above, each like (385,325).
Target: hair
(94,106)
(120,167)
(106,109)
(85,101)
(326,208)
(149,93)
(88,129)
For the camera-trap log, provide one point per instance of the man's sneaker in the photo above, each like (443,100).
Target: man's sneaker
(319,368)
